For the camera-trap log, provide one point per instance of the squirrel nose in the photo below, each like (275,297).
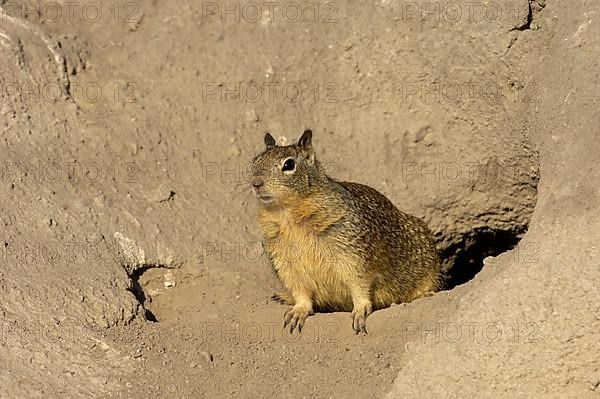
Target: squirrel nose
(257,182)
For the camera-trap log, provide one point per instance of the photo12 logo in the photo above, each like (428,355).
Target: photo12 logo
(239,173)
(459,172)
(118,92)
(40,253)
(468,92)
(57,171)
(269,92)
(315,332)
(471,12)
(488,333)
(70,12)
(269,12)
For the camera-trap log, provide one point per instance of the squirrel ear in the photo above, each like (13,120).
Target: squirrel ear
(306,140)
(305,143)
(269,140)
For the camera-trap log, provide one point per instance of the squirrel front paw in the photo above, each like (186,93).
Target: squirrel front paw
(295,316)
(283,298)
(359,317)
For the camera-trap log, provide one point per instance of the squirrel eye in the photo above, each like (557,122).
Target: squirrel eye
(289,165)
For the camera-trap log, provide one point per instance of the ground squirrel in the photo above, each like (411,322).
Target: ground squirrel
(337,246)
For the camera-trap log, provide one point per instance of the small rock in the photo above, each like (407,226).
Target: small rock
(421,133)
(207,356)
(251,116)
(169,284)
(169,280)
(428,140)
(269,72)
(161,194)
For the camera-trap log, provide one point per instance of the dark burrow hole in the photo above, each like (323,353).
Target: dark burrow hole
(464,259)
(137,290)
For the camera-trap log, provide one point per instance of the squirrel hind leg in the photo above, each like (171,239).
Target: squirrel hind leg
(283,298)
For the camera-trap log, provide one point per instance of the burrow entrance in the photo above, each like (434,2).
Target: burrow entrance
(463,259)
(139,292)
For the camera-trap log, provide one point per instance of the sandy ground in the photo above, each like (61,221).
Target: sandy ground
(132,266)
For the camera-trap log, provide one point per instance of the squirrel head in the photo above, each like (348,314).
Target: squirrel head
(282,175)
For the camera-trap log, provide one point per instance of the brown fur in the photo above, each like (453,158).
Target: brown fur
(336,245)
